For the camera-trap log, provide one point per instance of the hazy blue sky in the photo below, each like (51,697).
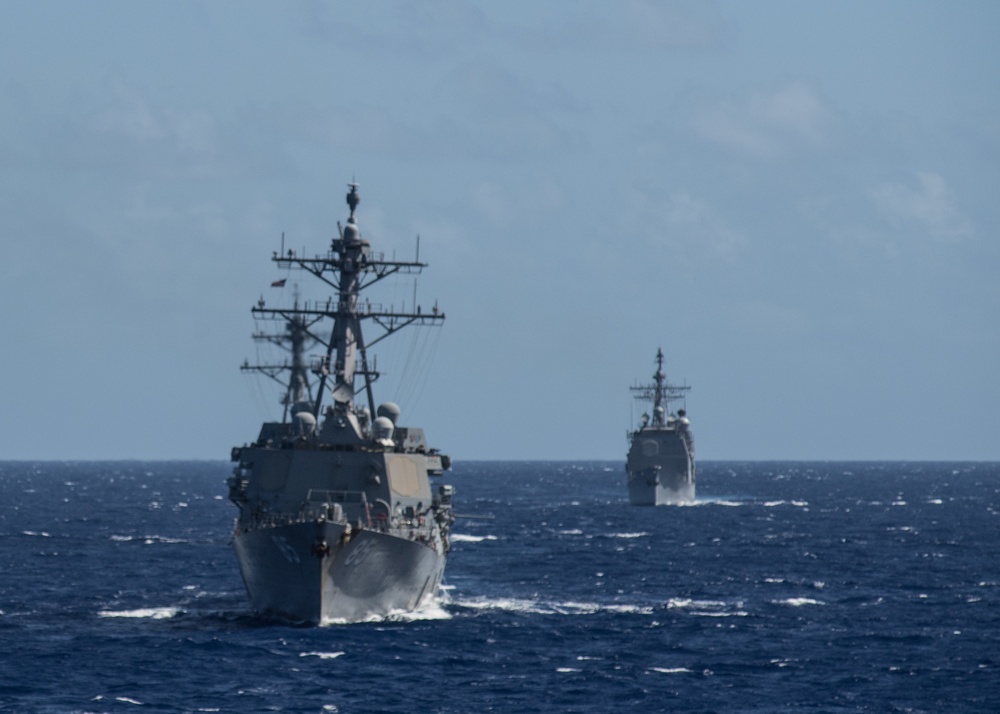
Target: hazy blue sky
(797,201)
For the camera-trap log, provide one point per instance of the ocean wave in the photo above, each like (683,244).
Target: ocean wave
(123,700)
(798,601)
(686,602)
(533,607)
(466,538)
(711,502)
(147,539)
(629,609)
(151,613)
(707,608)
(322,655)
(722,502)
(433,610)
(670,670)
(540,607)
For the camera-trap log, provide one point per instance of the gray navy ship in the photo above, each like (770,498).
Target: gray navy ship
(338,520)
(660,464)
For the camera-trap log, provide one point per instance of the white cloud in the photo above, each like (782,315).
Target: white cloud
(794,108)
(132,132)
(132,115)
(767,124)
(930,205)
(683,221)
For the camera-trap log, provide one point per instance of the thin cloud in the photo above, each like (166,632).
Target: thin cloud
(769,124)
(929,205)
(633,25)
(686,223)
(127,132)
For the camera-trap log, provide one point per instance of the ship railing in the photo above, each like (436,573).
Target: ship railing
(264,520)
(332,307)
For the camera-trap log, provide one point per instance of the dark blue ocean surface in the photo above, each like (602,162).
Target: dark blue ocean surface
(789,586)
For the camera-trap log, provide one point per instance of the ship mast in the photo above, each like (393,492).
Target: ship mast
(660,392)
(295,340)
(349,268)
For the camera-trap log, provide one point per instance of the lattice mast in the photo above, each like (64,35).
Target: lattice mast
(660,392)
(350,267)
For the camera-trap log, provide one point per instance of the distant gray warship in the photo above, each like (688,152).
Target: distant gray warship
(338,521)
(660,462)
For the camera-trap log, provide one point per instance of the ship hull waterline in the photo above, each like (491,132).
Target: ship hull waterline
(357,576)
(660,469)
(652,488)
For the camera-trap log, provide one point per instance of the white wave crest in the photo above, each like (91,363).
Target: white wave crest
(152,613)
(431,610)
(707,608)
(798,601)
(508,604)
(538,607)
(629,609)
(466,538)
(712,502)
(670,670)
(146,539)
(321,655)
(687,603)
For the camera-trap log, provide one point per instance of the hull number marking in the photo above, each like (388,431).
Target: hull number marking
(359,553)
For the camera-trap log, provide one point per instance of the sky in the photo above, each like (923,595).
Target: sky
(796,201)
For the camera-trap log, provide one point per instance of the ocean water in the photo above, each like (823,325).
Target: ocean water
(828,587)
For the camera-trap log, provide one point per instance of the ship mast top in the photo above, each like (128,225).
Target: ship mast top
(353,199)
(660,392)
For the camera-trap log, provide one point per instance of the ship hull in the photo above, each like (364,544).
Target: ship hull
(320,572)
(660,468)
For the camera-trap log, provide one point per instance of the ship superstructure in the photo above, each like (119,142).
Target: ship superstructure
(660,464)
(338,520)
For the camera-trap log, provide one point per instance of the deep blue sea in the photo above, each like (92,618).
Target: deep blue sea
(827,587)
